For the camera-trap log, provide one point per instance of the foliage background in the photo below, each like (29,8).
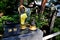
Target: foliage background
(9,8)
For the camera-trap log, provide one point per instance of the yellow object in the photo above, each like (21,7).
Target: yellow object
(10,30)
(15,29)
(23,18)
(33,27)
(23,27)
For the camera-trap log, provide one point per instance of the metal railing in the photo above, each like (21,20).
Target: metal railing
(51,36)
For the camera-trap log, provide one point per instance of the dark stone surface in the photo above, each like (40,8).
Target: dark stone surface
(33,35)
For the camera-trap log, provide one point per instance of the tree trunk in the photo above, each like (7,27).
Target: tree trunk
(52,20)
(41,16)
(43,6)
(21,2)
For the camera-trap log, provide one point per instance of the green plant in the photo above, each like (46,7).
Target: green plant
(57,27)
(39,21)
(8,18)
(4,18)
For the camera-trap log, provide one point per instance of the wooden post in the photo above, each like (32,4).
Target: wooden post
(43,6)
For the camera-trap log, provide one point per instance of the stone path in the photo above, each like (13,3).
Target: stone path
(34,35)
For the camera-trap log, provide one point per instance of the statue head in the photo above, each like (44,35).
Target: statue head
(22,9)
